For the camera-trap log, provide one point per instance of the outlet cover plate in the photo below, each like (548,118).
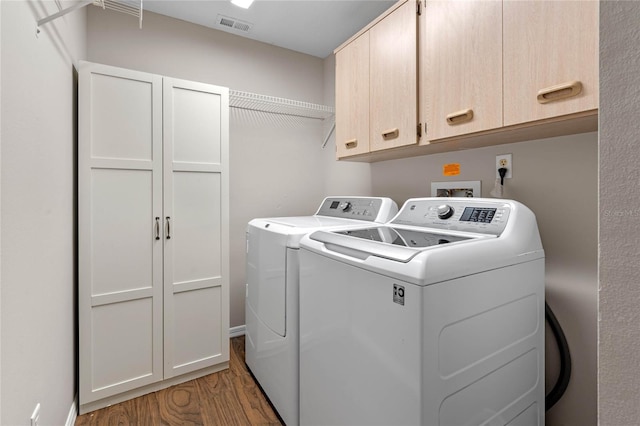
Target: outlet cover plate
(509,159)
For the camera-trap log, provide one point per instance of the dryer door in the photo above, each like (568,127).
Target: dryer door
(266,277)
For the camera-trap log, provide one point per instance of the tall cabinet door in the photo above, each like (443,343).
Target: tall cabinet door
(461,67)
(394,79)
(196,224)
(120,250)
(352,98)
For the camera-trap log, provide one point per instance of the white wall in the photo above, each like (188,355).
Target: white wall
(557,179)
(619,327)
(38,211)
(277,165)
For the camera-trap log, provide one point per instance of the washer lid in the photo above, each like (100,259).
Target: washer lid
(397,244)
(403,237)
(311,221)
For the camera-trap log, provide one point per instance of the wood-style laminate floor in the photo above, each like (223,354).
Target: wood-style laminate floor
(230,397)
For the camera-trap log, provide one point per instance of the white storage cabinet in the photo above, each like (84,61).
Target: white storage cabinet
(153,201)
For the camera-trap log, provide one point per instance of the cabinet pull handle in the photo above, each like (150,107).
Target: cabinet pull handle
(460,117)
(157,228)
(168,228)
(351,144)
(560,91)
(390,134)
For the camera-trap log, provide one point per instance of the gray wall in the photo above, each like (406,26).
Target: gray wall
(278,167)
(557,179)
(619,328)
(38,211)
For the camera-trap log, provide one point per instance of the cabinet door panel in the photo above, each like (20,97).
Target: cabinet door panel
(122,243)
(199,133)
(393,79)
(196,226)
(198,313)
(123,343)
(549,43)
(120,261)
(461,67)
(352,98)
(124,100)
(196,214)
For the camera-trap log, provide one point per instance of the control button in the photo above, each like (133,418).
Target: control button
(445,211)
(346,206)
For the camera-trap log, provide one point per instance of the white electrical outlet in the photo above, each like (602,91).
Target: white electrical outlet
(506,161)
(35,417)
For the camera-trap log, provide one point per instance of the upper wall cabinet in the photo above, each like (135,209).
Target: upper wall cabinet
(461,67)
(376,85)
(490,72)
(550,59)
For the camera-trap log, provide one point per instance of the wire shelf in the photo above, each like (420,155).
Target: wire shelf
(130,7)
(280,106)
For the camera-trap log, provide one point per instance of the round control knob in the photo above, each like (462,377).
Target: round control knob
(445,211)
(346,206)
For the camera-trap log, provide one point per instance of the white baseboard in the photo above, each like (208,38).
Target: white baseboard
(73,413)
(236,331)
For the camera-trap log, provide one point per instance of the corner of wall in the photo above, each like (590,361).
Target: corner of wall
(1,50)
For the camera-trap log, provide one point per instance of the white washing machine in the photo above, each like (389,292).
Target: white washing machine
(435,318)
(271,307)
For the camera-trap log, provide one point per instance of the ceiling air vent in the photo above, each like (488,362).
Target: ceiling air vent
(227,22)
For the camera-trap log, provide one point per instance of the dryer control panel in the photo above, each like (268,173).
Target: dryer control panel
(483,216)
(372,209)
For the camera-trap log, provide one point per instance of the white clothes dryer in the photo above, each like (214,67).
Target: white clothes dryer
(435,318)
(271,306)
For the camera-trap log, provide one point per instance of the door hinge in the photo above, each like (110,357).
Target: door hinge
(419,7)
(425,129)
(419,130)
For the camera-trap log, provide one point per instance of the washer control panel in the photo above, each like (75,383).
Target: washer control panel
(372,209)
(480,216)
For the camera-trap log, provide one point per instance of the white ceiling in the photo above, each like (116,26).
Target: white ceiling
(314,27)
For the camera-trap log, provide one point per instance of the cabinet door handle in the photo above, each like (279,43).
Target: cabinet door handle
(460,117)
(157,228)
(390,134)
(560,91)
(168,228)
(351,144)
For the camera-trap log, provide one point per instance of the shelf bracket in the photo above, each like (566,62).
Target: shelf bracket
(326,139)
(63,12)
